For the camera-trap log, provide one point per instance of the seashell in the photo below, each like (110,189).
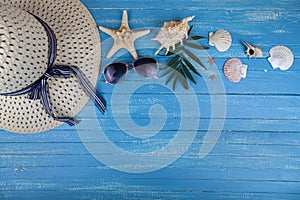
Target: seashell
(234,69)
(281,57)
(253,51)
(172,33)
(221,39)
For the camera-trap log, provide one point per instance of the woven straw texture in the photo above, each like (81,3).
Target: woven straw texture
(23,52)
(78,43)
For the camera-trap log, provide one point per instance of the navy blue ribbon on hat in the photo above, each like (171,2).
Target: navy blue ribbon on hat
(39,89)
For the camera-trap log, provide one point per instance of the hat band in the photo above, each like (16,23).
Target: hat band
(39,89)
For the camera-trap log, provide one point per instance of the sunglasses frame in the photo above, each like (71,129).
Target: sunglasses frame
(129,67)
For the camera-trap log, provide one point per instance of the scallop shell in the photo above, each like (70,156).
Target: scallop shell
(234,69)
(253,51)
(221,39)
(172,33)
(281,57)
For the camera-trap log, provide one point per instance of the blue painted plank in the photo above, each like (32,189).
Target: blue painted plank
(191,5)
(187,173)
(147,195)
(77,149)
(230,124)
(159,15)
(150,184)
(238,106)
(23,164)
(256,82)
(249,22)
(147,48)
(227,137)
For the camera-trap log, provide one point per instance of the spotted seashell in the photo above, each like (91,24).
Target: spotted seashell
(234,69)
(221,39)
(281,57)
(253,51)
(172,33)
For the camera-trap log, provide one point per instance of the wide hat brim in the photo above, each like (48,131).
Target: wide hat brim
(78,43)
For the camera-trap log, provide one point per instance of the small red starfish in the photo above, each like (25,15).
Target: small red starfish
(212,77)
(211,61)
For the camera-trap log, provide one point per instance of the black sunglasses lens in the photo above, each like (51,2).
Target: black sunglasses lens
(146,67)
(115,72)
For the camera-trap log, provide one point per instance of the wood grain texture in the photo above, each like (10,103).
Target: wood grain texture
(257,155)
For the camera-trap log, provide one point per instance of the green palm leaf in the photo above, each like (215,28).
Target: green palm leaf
(180,66)
(173,67)
(195,58)
(188,73)
(189,64)
(171,62)
(183,80)
(196,46)
(171,76)
(195,37)
(175,81)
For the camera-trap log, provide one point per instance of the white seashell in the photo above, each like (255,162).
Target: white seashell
(281,57)
(221,39)
(234,69)
(172,33)
(253,51)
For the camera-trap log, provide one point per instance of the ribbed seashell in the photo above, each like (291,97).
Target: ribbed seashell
(221,39)
(234,69)
(253,51)
(281,57)
(172,33)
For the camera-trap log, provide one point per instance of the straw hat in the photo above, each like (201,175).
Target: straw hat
(24,48)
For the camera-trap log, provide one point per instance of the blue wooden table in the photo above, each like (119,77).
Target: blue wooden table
(216,140)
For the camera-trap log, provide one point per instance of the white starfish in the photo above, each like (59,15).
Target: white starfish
(124,37)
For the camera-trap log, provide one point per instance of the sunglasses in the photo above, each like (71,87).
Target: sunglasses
(145,67)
